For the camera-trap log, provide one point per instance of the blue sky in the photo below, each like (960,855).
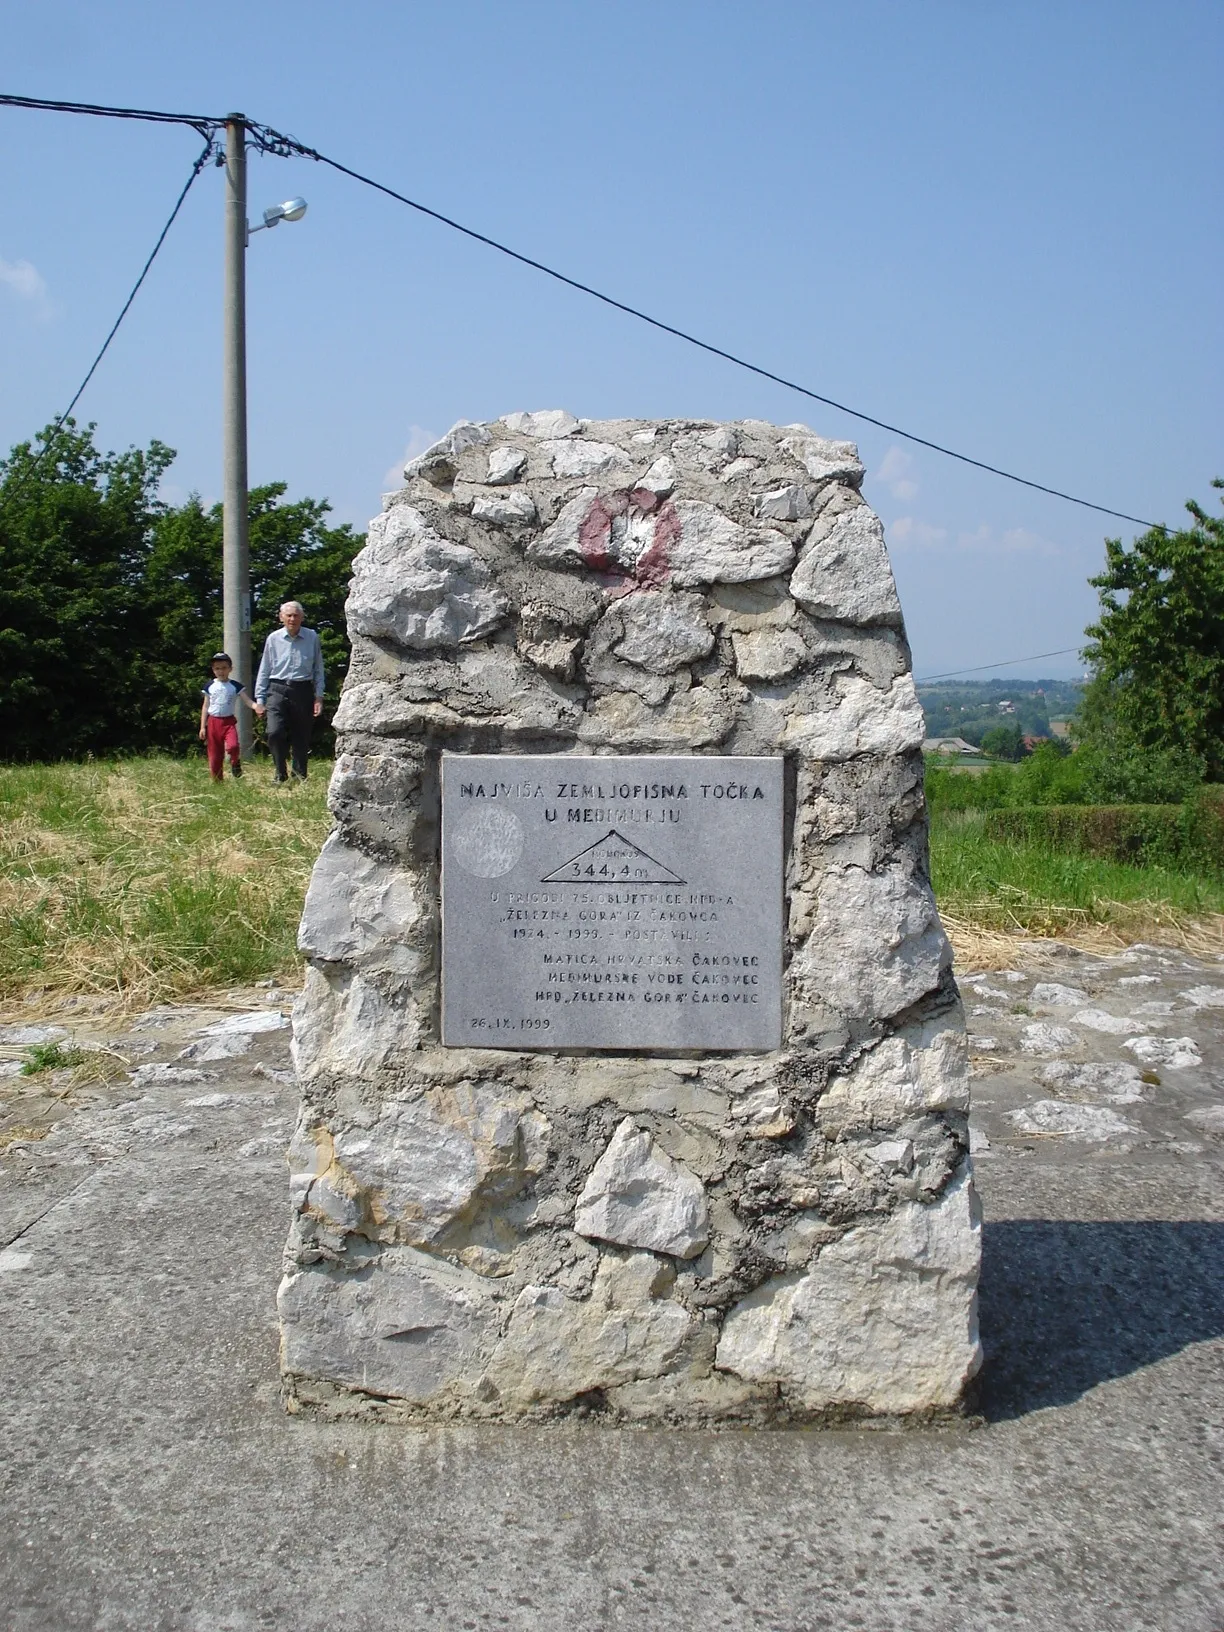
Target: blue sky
(999,226)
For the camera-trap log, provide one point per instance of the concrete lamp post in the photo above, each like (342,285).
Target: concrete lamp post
(236,558)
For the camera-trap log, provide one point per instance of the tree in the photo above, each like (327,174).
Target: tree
(1157,652)
(1003,742)
(110,600)
(76,639)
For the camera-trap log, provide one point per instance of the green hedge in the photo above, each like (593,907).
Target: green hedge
(1182,836)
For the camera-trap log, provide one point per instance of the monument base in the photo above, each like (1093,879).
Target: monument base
(632,1084)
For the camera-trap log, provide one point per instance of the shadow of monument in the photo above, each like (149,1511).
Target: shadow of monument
(1068,1305)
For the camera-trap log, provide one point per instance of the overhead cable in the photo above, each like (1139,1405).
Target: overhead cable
(48,443)
(272,141)
(950,674)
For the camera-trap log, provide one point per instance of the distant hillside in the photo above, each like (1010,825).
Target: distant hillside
(967,708)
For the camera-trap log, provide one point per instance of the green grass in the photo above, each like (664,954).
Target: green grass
(1033,886)
(143,879)
(50,1057)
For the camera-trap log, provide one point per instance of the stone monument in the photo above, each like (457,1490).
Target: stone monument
(633,1071)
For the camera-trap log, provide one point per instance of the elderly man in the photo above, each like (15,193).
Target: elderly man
(289,689)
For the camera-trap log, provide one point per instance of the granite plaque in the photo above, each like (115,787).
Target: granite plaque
(621,902)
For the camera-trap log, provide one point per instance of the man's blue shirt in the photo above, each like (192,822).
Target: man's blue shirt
(290,657)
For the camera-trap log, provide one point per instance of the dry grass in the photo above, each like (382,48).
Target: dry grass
(140,881)
(128,883)
(981,945)
(996,898)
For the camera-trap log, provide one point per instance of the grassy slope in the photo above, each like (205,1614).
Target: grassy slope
(1033,887)
(143,878)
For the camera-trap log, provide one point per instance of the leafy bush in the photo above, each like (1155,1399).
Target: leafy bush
(1189,835)
(1052,776)
(1122,772)
(1048,776)
(1157,649)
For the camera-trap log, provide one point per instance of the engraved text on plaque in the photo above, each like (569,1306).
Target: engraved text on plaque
(620,902)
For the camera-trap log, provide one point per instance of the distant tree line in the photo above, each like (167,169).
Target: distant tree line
(110,599)
(969,709)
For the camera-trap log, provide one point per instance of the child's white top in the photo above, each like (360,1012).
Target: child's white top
(222,697)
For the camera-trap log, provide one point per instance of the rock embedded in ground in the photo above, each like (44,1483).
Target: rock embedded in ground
(1053,1116)
(771,1231)
(1052,994)
(1175,1053)
(1040,1038)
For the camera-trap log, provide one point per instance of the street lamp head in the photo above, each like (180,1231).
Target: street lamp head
(293,209)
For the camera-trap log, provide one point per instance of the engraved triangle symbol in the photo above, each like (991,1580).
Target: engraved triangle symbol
(614,859)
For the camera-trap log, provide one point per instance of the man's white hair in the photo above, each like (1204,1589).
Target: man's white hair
(293,606)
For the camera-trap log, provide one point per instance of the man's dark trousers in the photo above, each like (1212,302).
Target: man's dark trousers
(290,719)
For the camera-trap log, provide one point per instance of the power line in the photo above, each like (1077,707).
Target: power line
(717,351)
(49,441)
(273,141)
(206,124)
(1011,662)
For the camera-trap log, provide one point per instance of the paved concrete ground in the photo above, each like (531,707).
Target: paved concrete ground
(151,1480)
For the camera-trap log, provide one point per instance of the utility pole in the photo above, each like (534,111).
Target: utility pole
(236,560)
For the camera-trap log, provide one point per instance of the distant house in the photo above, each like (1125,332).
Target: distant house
(948,745)
(1007,706)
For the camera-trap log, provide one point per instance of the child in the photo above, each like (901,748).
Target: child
(218,716)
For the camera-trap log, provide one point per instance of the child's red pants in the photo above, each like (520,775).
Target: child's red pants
(222,739)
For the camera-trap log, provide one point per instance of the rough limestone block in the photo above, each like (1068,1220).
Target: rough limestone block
(345,1024)
(637,1196)
(409,1327)
(877,945)
(557,1347)
(510,509)
(843,572)
(425,1164)
(505,465)
(663,632)
(885,1318)
(516,1233)
(362,912)
(924,1067)
(415,588)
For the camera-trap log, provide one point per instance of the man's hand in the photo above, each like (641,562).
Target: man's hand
(318,707)
(203,734)
(260,708)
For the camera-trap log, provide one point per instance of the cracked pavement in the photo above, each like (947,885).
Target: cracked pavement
(152,1479)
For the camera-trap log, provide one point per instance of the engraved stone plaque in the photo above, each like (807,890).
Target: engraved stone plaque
(620,902)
